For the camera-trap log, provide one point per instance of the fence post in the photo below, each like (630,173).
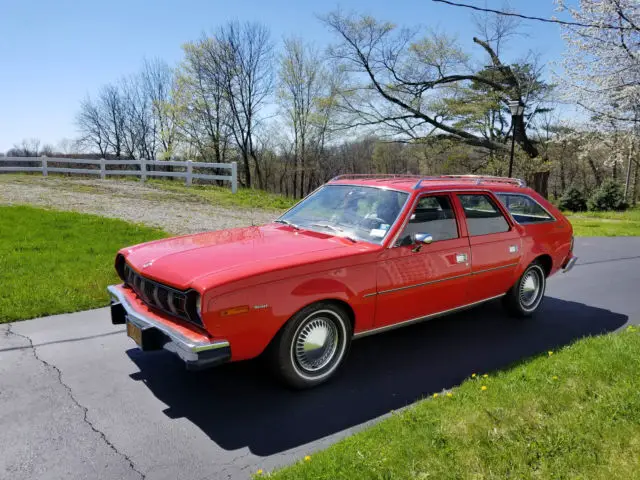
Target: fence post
(103,169)
(143,170)
(189,173)
(45,172)
(234,177)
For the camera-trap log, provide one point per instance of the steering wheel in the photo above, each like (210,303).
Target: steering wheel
(372,221)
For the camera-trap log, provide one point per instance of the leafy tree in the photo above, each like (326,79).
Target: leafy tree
(572,200)
(608,197)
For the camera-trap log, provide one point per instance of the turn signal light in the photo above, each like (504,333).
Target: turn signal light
(234,311)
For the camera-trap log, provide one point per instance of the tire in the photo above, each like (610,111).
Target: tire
(525,296)
(303,368)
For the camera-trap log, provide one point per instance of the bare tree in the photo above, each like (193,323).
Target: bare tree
(92,127)
(246,64)
(299,93)
(202,110)
(399,80)
(29,147)
(158,81)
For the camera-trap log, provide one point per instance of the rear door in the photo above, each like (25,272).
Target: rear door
(495,245)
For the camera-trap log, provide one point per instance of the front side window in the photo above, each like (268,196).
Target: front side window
(432,216)
(524,209)
(357,212)
(483,216)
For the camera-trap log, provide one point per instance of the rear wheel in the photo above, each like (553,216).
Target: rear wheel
(526,295)
(312,345)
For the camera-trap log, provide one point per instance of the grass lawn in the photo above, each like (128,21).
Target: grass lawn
(572,414)
(222,196)
(56,262)
(606,224)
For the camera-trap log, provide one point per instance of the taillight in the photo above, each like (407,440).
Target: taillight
(571,247)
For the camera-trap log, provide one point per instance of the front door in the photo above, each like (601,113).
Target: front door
(416,280)
(495,247)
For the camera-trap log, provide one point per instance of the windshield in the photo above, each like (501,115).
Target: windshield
(356,212)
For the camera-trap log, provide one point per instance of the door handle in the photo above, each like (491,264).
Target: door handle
(461,258)
(513,249)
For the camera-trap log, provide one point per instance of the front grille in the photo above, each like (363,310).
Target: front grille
(157,295)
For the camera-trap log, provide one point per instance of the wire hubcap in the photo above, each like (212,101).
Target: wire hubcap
(316,344)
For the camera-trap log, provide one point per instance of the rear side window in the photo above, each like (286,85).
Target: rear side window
(483,216)
(524,209)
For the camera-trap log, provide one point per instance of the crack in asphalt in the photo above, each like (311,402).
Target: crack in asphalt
(84,409)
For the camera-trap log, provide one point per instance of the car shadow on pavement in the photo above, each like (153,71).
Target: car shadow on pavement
(240,405)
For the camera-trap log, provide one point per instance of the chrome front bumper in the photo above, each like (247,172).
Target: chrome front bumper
(196,355)
(569,265)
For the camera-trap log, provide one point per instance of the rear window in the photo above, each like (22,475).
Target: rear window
(524,209)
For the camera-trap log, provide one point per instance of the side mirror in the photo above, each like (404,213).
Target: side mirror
(421,238)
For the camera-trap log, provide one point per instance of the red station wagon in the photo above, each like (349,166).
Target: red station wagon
(360,255)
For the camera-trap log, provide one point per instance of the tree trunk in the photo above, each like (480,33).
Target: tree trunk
(541,183)
(628,176)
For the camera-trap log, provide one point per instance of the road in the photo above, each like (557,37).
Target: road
(77,401)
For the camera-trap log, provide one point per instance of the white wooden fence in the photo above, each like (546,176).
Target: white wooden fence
(47,165)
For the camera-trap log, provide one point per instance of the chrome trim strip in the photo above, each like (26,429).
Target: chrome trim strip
(178,340)
(391,290)
(495,268)
(382,292)
(386,328)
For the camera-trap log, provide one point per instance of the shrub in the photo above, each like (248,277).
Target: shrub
(573,200)
(608,196)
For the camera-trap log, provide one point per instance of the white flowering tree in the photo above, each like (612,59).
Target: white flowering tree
(602,66)
(602,60)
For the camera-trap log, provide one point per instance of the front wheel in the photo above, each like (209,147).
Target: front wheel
(312,345)
(524,298)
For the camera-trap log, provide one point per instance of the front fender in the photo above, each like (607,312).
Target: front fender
(250,317)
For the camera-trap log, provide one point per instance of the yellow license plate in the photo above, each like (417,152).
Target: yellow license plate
(135,333)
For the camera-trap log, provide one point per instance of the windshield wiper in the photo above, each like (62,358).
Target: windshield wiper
(335,229)
(287,222)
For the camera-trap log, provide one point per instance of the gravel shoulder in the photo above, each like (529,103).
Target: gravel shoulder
(176,213)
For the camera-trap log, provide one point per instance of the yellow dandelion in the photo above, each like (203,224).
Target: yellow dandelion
(554,377)
(435,395)
(259,472)
(473,375)
(550,352)
(307,458)
(449,394)
(483,388)
(485,376)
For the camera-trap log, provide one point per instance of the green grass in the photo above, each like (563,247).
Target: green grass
(55,262)
(574,414)
(606,224)
(222,196)
(165,189)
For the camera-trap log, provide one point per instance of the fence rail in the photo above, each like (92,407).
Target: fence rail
(142,171)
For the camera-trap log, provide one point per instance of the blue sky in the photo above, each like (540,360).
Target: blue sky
(54,53)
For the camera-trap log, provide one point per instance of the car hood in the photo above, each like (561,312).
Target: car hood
(226,255)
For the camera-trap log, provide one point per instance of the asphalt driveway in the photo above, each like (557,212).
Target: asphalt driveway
(77,401)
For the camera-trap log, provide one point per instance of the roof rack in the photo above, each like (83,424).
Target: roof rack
(478,179)
(375,176)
